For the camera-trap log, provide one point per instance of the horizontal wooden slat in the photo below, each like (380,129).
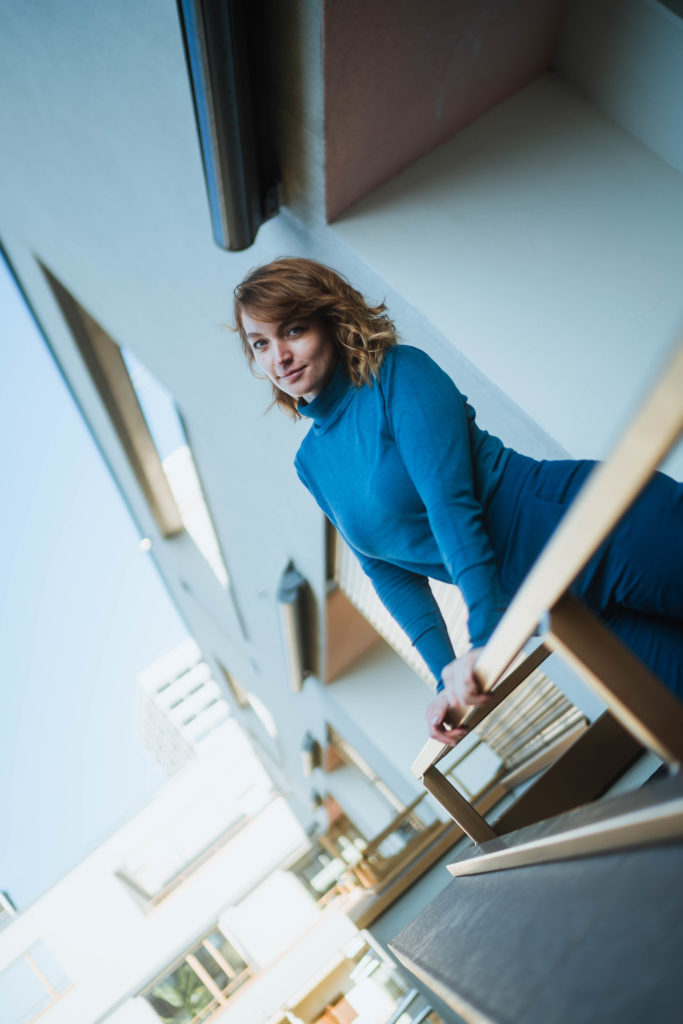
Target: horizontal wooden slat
(639,828)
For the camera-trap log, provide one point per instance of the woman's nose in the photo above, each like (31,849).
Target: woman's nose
(282,353)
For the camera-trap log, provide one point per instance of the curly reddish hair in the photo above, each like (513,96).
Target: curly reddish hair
(294,287)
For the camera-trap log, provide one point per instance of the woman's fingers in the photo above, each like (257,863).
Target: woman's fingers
(438,724)
(461,689)
(444,734)
(461,685)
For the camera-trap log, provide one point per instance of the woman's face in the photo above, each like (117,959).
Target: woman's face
(298,355)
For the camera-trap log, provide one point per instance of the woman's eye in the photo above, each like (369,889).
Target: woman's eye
(259,343)
(296,330)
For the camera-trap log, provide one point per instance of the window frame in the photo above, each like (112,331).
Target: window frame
(48,985)
(221,997)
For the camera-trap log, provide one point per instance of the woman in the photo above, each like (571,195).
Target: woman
(397,462)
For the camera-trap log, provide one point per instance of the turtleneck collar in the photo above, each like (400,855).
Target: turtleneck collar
(329,404)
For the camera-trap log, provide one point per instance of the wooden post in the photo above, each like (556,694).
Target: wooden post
(460,809)
(633,694)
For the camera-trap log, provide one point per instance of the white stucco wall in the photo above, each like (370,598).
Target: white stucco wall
(546,244)
(625,56)
(387,701)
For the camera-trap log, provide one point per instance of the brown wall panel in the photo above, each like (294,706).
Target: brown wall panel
(402,76)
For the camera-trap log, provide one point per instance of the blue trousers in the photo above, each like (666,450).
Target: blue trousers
(634,582)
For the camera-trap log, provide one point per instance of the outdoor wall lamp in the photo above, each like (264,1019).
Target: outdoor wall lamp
(292,597)
(311,754)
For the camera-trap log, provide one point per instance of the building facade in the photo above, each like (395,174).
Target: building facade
(506,177)
(179,706)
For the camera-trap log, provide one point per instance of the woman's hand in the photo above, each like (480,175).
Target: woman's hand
(460,689)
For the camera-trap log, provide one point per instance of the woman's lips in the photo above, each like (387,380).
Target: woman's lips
(292,375)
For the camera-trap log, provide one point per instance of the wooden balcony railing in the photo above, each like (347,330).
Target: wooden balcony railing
(533,718)
(648,712)
(384,866)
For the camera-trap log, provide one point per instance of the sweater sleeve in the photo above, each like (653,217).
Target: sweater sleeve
(429,422)
(407,597)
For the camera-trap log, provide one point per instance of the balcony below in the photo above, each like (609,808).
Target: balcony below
(571,937)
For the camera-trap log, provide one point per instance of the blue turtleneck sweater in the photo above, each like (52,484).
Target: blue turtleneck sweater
(403,472)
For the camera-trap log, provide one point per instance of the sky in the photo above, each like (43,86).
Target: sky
(82,611)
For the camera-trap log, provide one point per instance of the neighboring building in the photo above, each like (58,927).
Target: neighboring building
(192,907)
(179,706)
(507,177)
